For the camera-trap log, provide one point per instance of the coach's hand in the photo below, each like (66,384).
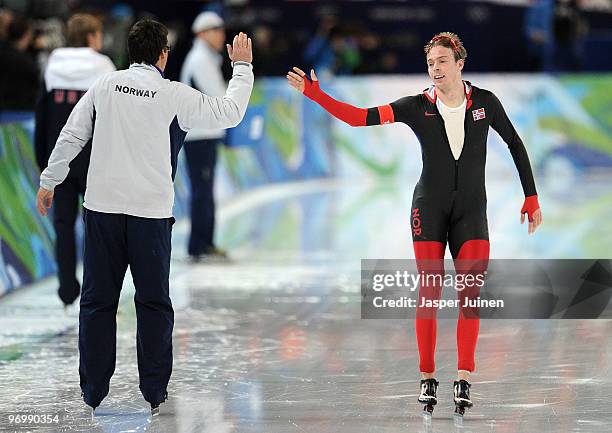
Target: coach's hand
(44,198)
(297,79)
(241,49)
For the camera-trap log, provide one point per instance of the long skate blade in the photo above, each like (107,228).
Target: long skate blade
(458,421)
(427,413)
(155,411)
(458,416)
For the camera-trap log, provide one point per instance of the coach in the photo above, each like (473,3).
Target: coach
(137,121)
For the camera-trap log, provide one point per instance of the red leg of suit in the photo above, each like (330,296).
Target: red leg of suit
(430,260)
(473,258)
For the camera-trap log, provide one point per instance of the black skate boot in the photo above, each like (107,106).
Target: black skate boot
(155,407)
(90,409)
(428,395)
(461,394)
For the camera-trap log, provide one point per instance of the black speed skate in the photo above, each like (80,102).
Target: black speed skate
(428,395)
(461,394)
(155,407)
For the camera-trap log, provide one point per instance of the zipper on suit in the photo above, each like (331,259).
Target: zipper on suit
(456,173)
(448,146)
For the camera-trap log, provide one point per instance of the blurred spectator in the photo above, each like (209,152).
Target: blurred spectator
(70,72)
(334,49)
(320,53)
(389,63)
(348,56)
(116,29)
(6,17)
(270,51)
(20,74)
(202,71)
(369,47)
(569,29)
(50,34)
(43,9)
(538,32)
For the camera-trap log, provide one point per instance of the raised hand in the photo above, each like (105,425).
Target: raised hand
(297,79)
(241,49)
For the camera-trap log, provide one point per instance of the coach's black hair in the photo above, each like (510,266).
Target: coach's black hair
(146,40)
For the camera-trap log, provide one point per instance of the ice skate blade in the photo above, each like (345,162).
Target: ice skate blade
(458,420)
(427,414)
(155,411)
(427,417)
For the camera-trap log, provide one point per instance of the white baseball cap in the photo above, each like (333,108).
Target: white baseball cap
(207,21)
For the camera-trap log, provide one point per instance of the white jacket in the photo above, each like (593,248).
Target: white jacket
(138,121)
(75,68)
(202,71)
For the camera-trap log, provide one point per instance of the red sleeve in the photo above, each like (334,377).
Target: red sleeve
(350,114)
(385,114)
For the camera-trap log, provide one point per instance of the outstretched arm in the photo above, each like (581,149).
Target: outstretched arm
(501,123)
(216,112)
(350,114)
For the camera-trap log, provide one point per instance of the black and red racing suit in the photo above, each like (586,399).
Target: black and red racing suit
(449,201)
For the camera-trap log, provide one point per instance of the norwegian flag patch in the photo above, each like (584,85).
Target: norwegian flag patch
(478,114)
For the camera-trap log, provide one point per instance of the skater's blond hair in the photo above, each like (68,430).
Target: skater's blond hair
(448,40)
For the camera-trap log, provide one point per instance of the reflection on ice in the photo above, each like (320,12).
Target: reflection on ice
(273,341)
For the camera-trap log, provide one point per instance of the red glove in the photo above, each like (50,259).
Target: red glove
(311,88)
(530,206)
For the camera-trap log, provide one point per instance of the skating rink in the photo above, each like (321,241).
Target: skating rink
(273,342)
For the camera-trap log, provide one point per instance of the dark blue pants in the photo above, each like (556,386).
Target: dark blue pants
(65,210)
(201,156)
(112,242)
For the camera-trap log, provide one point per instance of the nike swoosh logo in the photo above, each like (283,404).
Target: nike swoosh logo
(430,114)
